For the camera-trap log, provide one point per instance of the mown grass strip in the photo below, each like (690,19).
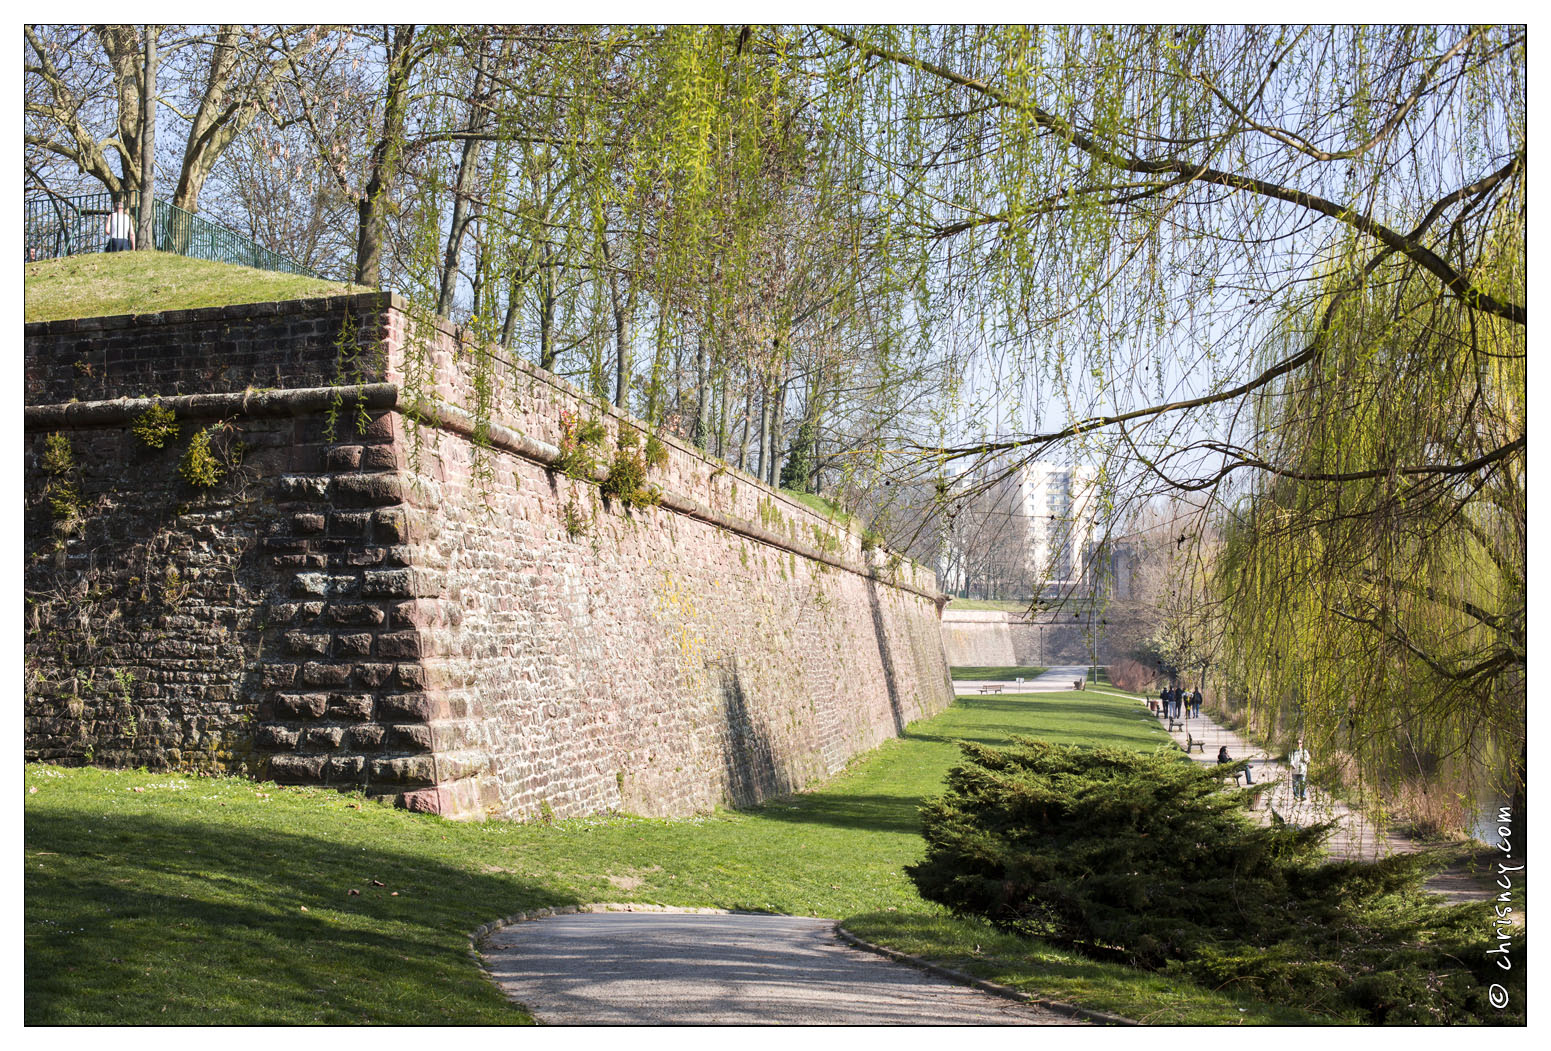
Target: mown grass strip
(99,284)
(153,898)
(1004,672)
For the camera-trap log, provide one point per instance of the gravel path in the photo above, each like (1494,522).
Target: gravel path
(1052,680)
(654,968)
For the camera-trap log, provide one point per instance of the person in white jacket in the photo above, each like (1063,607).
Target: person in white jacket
(1300,769)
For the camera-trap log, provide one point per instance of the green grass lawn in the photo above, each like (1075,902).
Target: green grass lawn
(153,898)
(101,285)
(993,605)
(970,673)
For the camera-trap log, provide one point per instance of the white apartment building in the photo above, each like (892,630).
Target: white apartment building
(1059,507)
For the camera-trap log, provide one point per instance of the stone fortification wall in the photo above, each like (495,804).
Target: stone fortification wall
(372,601)
(977,638)
(988,638)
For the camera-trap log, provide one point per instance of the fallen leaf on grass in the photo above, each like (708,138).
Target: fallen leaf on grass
(304,908)
(353,891)
(378,883)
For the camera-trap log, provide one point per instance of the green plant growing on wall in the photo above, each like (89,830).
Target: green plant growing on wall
(579,441)
(156,426)
(199,466)
(58,457)
(61,491)
(626,481)
(125,680)
(656,453)
(871,540)
(576,523)
(353,364)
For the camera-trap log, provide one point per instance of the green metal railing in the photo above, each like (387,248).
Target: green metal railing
(58,226)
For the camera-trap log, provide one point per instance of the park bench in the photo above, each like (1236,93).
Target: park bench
(991,688)
(1175,724)
(1191,741)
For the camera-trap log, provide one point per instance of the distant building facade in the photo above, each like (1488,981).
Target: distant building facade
(1059,508)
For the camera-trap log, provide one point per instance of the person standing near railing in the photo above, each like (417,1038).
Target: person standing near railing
(120,229)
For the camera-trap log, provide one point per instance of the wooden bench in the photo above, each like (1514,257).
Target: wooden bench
(1192,742)
(997,688)
(1175,724)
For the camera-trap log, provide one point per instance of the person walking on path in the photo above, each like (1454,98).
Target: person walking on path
(1195,703)
(1300,770)
(120,229)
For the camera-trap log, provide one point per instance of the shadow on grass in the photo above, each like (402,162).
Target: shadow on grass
(872,813)
(142,920)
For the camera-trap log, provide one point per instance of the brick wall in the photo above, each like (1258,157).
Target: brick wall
(397,609)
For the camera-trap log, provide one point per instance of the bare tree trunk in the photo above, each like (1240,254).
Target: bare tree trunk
(777,435)
(624,309)
(761,467)
(748,414)
(463,190)
(148,142)
(386,156)
(721,423)
(698,431)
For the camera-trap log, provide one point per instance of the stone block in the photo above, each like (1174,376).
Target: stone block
(411,769)
(350,706)
(317,673)
(276,737)
(297,769)
(301,705)
(349,525)
(346,769)
(389,527)
(367,490)
(366,738)
(273,675)
(302,487)
(357,645)
(419,707)
(356,613)
(379,458)
(342,458)
(400,645)
(307,643)
(322,738)
(409,737)
(372,675)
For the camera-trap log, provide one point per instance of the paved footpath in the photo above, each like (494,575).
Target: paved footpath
(1356,836)
(663,968)
(1053,680)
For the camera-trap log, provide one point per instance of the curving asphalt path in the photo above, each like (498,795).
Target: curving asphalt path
(648,968)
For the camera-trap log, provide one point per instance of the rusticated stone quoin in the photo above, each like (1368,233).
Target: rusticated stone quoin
(396,608)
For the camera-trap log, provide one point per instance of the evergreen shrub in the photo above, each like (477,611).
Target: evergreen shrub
(1149,859)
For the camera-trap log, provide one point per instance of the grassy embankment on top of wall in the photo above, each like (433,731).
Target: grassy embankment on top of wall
(100,284)
(159,898)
